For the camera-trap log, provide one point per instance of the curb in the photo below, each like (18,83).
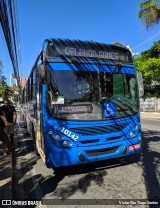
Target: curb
(150,115)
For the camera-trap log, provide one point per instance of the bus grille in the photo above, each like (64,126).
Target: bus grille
(102,151)
(86,131)
(89,141)
(114,138)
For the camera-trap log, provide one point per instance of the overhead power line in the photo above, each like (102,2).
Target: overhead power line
(146,41)
(8,20)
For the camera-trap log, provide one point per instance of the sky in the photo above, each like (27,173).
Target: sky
(104,21)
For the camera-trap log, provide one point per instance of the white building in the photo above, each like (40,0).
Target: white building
(13,80)
(135,55)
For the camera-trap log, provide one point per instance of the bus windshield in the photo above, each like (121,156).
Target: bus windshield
(79,95)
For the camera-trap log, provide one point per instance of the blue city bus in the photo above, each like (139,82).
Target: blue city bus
(81,103)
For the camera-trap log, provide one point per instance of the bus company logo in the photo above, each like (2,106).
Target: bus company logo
(6,202)
(19,202)
(109,110)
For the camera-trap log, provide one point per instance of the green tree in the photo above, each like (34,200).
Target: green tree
(149,64)
(4,88)
(150,12)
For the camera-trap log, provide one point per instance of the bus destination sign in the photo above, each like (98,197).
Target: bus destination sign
(87,108)
(88,50)
(71,51)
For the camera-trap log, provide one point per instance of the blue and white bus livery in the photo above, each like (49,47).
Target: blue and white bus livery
(82,103)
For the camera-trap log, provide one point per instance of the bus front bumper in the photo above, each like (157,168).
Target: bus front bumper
(60,157)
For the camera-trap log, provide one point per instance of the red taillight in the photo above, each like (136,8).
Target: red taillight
(134,146)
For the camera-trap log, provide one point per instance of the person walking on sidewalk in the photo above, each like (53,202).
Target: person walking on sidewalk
(3,135)
(11,116)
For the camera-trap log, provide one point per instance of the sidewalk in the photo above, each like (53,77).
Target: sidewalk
(150,115)
(9,186)
(5,176)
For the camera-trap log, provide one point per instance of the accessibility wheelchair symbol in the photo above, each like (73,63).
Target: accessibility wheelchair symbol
(109,110)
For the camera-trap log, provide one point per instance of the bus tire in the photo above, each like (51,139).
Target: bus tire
(59,171)
(34,142)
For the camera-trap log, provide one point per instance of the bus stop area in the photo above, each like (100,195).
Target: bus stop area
(10,168)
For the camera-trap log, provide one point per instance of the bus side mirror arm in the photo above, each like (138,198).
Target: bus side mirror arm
(43,56)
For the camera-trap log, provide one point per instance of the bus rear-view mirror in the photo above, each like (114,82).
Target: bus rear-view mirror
(140,84)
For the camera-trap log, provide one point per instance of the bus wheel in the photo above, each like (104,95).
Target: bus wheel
(59,171)
(34,142)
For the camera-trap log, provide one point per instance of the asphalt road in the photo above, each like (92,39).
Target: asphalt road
(100,183)
(150,124)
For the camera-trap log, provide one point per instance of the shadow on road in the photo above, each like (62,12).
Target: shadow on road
(81,185)
(47,185)
(151,163)
(5,177)
(20,163)
(94,172)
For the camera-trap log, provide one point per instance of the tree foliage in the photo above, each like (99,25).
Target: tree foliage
(149,64)
(150,12)
(4,88)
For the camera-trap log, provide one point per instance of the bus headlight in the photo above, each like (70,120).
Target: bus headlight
(65,143)
(137,128)
(61,141)
(57,137)
(132,134)
(50,132)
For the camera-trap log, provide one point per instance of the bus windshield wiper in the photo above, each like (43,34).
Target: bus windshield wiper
(118,67)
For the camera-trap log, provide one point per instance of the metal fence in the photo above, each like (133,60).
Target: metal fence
(150,104)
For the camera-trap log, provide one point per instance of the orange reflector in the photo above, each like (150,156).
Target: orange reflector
(134,146)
